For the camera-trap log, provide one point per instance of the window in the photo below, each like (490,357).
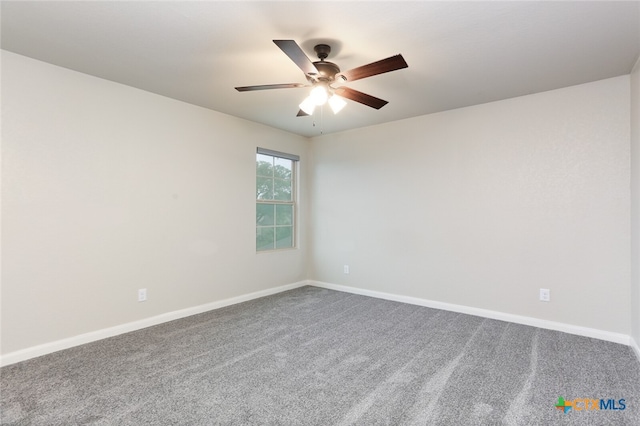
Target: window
(275,200)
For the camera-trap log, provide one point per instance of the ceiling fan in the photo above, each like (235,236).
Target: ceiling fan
(322,75)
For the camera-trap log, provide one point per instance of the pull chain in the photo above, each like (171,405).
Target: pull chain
(321,120)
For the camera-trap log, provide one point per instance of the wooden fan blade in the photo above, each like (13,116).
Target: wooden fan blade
(301,113)
(295,53)
(270,86)
(360,97)
(380,67)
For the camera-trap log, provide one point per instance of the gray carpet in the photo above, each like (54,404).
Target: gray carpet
(318,357)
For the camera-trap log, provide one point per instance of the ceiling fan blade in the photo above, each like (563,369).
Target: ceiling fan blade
(360,97)
(301,113)
(270,86)
(380,67)
(295,53)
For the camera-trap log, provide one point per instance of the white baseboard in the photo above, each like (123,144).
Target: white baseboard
(636,348)
(485,313)
(39,350)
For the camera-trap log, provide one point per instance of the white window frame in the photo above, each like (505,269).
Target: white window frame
(293,202)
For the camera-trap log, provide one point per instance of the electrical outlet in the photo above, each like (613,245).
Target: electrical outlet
(545,295)
(142,294)
(346,269)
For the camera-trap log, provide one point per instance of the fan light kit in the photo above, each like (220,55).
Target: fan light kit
(322,74)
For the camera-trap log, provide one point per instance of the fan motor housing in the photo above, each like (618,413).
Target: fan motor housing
(327,70)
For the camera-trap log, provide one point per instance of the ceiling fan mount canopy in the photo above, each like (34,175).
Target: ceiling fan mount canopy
(322,50)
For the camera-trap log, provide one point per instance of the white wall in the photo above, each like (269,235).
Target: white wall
(107,189)
(483,206)
(635,203)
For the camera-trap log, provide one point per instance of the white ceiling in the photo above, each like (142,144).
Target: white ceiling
(459,53)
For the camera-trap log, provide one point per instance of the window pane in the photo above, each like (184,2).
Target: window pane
(265,238)
(264,188)
(284,236)
(282,190)
(284,214)
(265,214)
(283,168)
(264,165)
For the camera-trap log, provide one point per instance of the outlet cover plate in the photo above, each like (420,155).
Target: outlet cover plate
(545,295)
